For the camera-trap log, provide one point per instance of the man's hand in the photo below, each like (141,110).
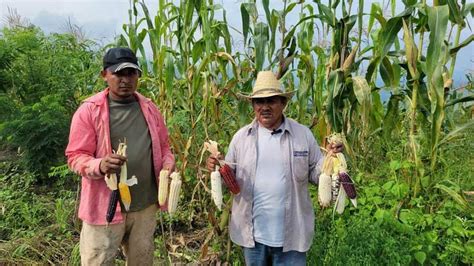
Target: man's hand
(334,148)
(212,161)
(111,163)
(169,168)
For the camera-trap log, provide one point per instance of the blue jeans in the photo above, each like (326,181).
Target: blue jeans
(263,255)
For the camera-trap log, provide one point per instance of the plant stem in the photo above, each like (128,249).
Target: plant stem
(456,42)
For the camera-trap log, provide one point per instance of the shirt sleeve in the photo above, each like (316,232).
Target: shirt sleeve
(168,156)
(315,160)
(81,149)
(231,156)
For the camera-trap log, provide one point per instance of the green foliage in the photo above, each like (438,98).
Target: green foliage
(41,132)
(356,239)
(44,78)
(411,158)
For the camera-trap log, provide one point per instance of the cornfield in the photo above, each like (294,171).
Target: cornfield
(383,79)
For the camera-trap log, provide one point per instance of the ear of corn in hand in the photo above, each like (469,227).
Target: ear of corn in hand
(216,188)
(324,186)
(175,188)
(124,182)
(324,190)
(163,187)
(228,176)
(334,181)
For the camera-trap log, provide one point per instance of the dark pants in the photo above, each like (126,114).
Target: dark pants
(263,255)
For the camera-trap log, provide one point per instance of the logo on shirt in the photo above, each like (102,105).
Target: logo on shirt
(300,153)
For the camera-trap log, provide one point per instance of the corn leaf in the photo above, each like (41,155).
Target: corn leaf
(465,43)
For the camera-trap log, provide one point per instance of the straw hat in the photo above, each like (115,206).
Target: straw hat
(267,85)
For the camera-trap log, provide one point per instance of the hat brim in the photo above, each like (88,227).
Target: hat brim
(120,66)
(249,97)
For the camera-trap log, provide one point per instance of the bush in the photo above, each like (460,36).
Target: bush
(44,79)
(359,240)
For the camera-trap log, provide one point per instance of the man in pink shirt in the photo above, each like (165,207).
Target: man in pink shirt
(115,115)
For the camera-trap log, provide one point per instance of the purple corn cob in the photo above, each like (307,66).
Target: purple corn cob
(348,185)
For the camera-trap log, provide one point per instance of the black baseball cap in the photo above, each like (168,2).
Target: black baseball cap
(116,59)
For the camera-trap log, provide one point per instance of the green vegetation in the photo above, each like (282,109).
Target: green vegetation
(383,81)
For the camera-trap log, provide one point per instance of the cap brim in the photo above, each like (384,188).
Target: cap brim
(247,97)
(117,67)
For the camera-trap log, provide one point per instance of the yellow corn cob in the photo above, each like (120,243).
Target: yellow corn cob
(216,188)
(125,195)
(175,188)
(163,187)
(124,190)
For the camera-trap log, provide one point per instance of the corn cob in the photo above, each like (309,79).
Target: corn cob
(324,186)
(216,188)
(334,175)
(324,190)
(349,60)
(228,176)
(114,196)
(345,179)
(175,188)
(124,190)
(163,187)
(348,185)
(125,195)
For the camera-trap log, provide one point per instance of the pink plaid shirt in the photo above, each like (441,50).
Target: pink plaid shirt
(89,141)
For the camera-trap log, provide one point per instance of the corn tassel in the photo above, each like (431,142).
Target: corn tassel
(216,188)
(163,187)
(175,188)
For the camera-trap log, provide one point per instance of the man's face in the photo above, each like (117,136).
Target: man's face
(122,84)
(269,111)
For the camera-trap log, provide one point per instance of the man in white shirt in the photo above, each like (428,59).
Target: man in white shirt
(274,159)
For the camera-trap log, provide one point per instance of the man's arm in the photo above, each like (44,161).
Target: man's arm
(315,160)
(81,148)
(168,157)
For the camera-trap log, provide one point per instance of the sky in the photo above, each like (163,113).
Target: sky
(101,20)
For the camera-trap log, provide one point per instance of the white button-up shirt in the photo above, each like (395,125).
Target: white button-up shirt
(301,162)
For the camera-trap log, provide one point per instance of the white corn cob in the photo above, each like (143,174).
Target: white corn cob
(324,190)
(216,188)
(163,187)
(324,185)
(175,188)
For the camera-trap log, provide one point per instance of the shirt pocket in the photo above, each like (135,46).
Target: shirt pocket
(300,164)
